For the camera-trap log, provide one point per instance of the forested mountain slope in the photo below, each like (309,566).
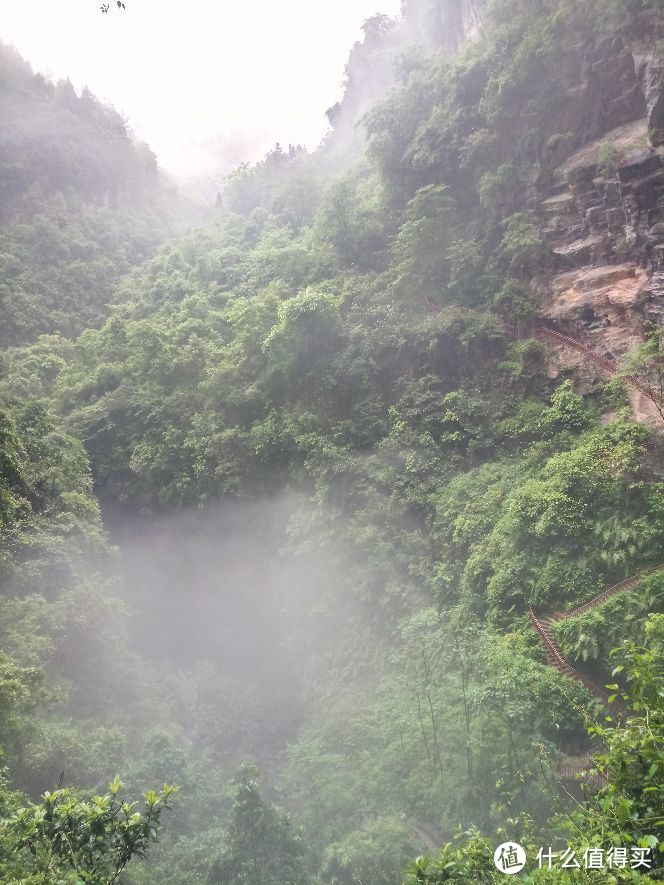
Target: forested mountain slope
(81,203)
(343,462)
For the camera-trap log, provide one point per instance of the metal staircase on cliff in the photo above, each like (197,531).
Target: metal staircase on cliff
(543,333)
(543,625)
(607,364)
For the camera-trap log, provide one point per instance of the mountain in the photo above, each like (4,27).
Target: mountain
(81,204)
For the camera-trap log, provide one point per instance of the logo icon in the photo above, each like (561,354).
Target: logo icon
(509,858)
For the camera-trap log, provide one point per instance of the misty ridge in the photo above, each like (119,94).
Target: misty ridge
(331,491)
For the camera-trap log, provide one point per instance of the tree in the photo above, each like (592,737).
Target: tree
(375,854)
(421,248)
(627,812)
(262,847)
(646,365)
(522,245)
(66,838)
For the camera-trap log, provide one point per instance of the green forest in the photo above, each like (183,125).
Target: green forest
(306,515)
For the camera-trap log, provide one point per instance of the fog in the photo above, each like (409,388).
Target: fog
(201,74)
(204,591)
(203,583)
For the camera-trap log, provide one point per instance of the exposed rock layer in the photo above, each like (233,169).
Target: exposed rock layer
(601,210)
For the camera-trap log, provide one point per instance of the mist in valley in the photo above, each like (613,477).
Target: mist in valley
(205,593)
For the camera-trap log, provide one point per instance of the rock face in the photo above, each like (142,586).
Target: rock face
(447,25)
(651,74)
(605,89)
(606,203)
(601,210)
(437,25)
(463,21)
(605,303)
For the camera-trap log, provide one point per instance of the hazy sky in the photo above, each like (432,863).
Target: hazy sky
(183,70)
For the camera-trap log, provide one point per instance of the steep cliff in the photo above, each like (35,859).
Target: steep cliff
(600,203)
(445,25)
(426,26)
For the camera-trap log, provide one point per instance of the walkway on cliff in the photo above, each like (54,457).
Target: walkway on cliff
(607,364)
(544,333)
(543,626)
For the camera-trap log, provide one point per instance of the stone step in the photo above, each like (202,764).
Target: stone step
(604,215)
(597,215)
(615,218)
(599,277)
(559,205)
(580,252)
(639,165)
(557,238)
(589,199)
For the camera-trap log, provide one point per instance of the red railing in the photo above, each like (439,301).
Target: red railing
(553,654)
(627,584)
(556,659)
(543,333)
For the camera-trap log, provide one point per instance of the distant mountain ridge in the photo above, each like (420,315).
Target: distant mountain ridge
(81,204)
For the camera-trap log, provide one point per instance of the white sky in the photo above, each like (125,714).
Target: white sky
(184,70)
